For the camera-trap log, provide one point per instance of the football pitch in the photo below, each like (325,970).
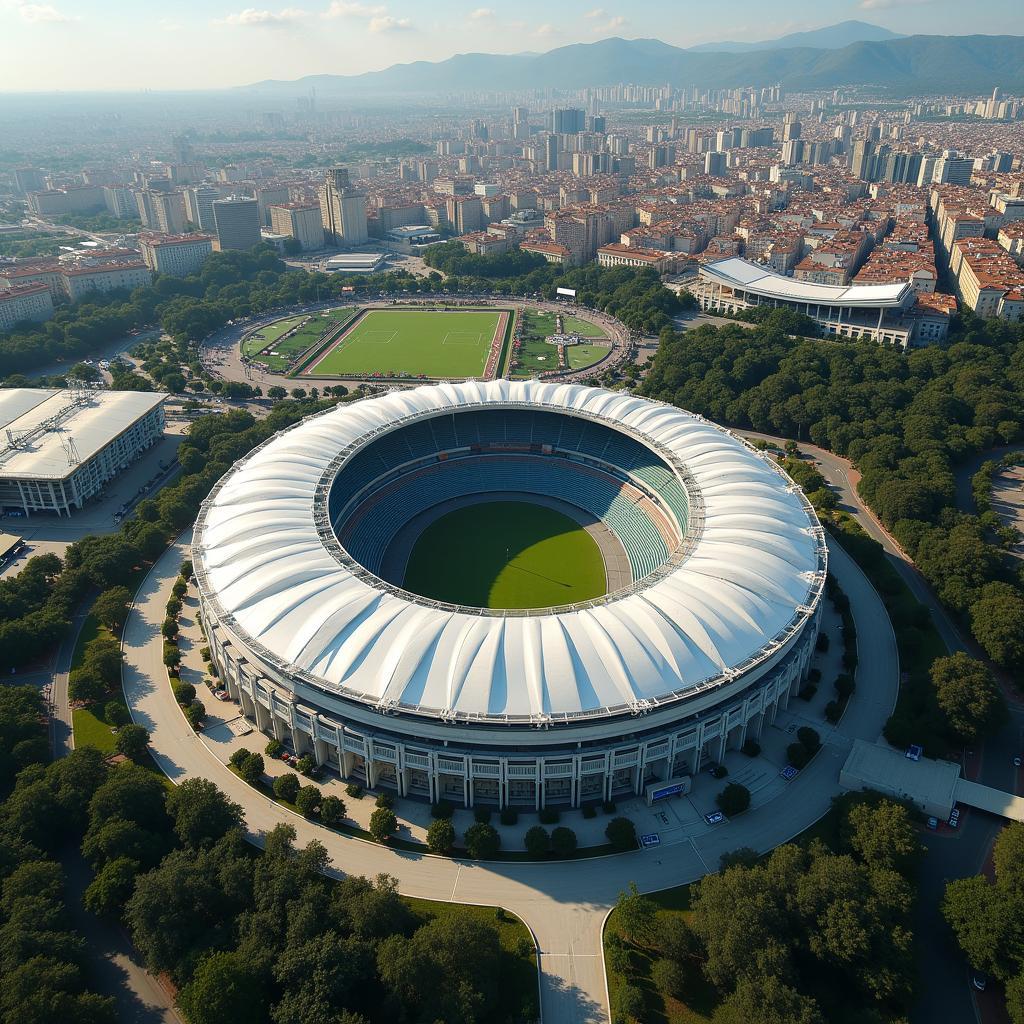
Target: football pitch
(414,343)
(506,554)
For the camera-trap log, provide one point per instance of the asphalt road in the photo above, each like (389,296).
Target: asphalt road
(563,904)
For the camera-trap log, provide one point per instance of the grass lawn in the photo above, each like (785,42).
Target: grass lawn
(263,345)
(537,356)
(506,554)
(414,343)
(89,726)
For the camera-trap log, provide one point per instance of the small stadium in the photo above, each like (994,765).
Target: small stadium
(511,593)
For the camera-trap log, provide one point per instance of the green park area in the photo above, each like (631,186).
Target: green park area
(506,554)
(412,343)
(535,355)
(277,349)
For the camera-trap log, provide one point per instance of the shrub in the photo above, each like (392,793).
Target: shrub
(305,764)
(589,811)
(548,816)
(849,634)
(797,755)
(307,800)
(833,711)
(441,836)
(482,814)
(354,790)
(174,607)
(184,693)
(172,656)
(383,824)
(822,642)
(808,692)
(537,841)
(809,738)
(719,771)
(204,653)
(669,977)
(186,569)
(273,748)
(563,841)
(115,713)
(195,713)
(442,809)
(631,1002)
(251,769)
(482,841)
(286,787)
(621,833)
(620,960)
(609,807)
(733,800)
(169,628)
(814,676)
(509,816)
(332,810)
(751,748)
(180,588)
(850,661)
(385,799)
(237,757)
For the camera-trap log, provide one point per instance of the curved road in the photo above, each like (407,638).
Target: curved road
(564,904)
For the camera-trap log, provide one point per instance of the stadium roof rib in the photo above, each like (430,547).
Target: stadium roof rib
(750,578)
(734,272)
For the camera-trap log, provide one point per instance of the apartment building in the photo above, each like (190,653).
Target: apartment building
(176,255)
(25,302)
(987,280)
(301,221)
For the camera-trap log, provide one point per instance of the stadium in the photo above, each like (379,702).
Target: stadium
(437,664)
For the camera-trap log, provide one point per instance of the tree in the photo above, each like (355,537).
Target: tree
(635,915)
(286,787)
(968,696)
(308,799)
(537,841)
(563,842)
(332,810)
(441,836)
(201,813)
(86,688)
(733,800)
(130,793)
(184,693)
(482,841)
(111,607)
(276,392)
(251,768)
(132,741)
(115,838)
(305,764)
(882,834)
(112,887)
(195,713)
(116,713)
(621,833)
(383,824)
(986,921)
(226,988)
(631,1006)
(995,622)
(668,976)
(767,1000)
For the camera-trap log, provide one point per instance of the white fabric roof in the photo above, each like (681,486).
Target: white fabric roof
(748,578)
(735,272)
(93,423)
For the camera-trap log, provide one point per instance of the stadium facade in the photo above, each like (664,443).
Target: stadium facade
(713,633)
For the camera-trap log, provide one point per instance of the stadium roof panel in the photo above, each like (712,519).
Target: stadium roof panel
(750,578)
(735,272)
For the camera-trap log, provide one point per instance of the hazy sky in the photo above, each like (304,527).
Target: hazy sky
(190,44)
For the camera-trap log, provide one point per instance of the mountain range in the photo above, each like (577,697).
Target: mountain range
(910,64)
(831,37)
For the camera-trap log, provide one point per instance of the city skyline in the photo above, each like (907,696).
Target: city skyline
(230,44)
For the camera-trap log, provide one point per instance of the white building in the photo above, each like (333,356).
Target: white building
(25,302)
(104,277)
(176,255)
(301,221)
(59,448)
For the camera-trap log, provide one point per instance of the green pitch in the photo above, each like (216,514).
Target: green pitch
(269,346)
(506,554)
(412,343)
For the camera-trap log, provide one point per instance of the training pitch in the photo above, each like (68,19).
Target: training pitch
(416,343)
(506,554)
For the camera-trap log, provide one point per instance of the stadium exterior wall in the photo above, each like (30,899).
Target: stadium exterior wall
(522,767)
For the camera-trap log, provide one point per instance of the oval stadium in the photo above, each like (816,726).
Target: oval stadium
(512,594)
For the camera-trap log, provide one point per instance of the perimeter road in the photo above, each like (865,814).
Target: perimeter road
(563,904)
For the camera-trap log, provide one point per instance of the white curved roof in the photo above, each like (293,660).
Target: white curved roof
(735,272)
(753,574)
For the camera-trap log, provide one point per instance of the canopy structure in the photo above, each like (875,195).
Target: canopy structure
(272,572)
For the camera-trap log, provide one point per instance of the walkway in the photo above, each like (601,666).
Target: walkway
(564,904)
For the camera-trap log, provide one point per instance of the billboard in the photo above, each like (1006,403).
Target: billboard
(569,293)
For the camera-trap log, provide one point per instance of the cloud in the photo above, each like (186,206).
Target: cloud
(482,14)
(169,25)
(611,25)
(386,23)
(46,13)
(343,9)
(597,12)
(884,5)
(252,18)
(547,29)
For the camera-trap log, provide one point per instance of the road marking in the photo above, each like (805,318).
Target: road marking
(451,899)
